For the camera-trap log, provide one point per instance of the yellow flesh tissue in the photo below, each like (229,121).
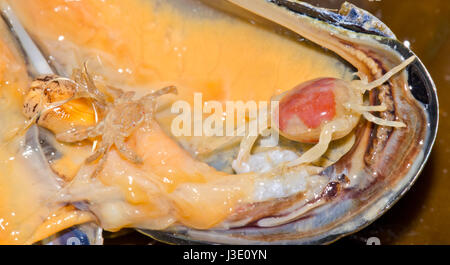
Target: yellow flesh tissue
(142,46)
(27,211)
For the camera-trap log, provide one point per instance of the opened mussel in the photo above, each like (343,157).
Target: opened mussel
(352,137)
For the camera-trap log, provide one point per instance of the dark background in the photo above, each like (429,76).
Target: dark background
(422,216)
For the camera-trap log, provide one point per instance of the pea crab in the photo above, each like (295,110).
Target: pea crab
(322,110)
(76,110)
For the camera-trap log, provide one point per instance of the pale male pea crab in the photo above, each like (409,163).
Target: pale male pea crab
(115,119)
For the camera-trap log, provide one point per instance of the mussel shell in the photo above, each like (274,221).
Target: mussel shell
(356,207)
(353,208)
(84,234)
(39,143)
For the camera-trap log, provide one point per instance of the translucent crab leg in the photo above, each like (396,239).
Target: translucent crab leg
(73,136)
(162,91)
(382,122)
(126,152)
(226,141)
(245,148)
(248,141)
(91,87)
(321,147)
(79,93)
(388,75)
(364,110)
